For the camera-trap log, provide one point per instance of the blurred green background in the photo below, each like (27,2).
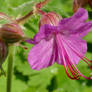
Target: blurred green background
(54,78)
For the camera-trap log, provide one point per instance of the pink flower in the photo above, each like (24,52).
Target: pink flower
(61,41)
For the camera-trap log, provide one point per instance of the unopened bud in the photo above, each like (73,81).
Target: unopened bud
(50,18)
(81,3)
(11,33)
(3,52)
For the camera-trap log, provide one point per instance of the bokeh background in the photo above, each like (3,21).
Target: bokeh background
(54,78)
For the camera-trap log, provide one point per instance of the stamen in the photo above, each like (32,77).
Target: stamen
(75,66)
(67,70)
(88,60)
(64,61)
(73,72)
(79,72)
(82,57)
(73,69)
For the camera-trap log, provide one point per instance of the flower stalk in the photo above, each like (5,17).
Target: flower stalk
(36,9)
(10,68)
(24,18)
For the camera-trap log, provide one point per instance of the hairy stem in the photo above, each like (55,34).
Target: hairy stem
(10,68)
(38,6)
(24,18)
(41,4)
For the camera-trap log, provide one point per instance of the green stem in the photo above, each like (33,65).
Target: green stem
(10,69)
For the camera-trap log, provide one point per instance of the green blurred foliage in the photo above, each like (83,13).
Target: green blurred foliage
(54,78)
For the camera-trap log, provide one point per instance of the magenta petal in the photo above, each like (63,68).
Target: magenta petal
(31,41)
(75,21)
(40,35)
(79,45)
(83,29)
(80,31)
(67,61)
(59,59)
(41,55)
(76,43)
(45,32)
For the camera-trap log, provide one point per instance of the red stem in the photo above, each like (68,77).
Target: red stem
(41,4)
(24,17)
(38,7)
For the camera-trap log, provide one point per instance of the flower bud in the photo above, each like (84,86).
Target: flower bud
(50,18)
(90,3)
(81,3)
(11,33)
(3,52)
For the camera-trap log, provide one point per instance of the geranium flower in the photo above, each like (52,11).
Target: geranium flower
(81,3)
(60,40)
